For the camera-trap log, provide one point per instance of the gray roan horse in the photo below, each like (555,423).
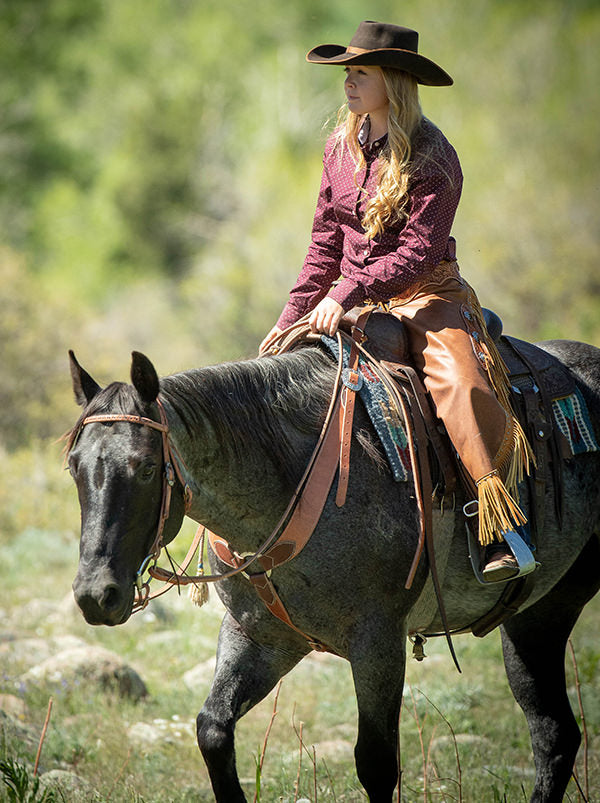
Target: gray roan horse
(244,432)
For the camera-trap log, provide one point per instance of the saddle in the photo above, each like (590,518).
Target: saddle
(537,379)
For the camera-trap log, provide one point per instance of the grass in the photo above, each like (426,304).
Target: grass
(463,737)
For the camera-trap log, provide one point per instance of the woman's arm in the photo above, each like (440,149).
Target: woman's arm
(322,264)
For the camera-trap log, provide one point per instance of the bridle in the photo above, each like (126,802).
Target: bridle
(172,467)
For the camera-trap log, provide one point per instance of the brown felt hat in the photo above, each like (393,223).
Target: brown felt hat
(383,45)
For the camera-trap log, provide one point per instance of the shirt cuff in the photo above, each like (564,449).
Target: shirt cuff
(347,294)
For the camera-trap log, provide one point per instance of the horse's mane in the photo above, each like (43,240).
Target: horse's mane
(259,401)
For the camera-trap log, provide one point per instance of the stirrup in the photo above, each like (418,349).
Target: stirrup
(520,551)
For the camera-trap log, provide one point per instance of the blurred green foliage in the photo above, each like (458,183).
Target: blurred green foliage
(161,161)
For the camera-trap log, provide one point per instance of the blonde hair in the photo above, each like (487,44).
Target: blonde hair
(388,205)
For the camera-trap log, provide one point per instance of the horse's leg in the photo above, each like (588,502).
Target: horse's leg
(378,665)
(534,645)
(245,673)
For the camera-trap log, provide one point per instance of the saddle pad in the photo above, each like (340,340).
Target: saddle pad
(386,420)
(573,420)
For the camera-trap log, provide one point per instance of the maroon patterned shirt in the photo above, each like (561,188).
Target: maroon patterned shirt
(386,266)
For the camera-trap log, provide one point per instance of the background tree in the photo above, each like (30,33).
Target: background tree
(161,162)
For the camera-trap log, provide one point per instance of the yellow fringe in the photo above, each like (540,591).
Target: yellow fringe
(199,594)
(520,459)
(514,463)
(498,511)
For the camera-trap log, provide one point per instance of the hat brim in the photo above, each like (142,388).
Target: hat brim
(425,71)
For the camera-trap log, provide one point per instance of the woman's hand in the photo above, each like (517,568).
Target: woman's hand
(270,338)
(326,316)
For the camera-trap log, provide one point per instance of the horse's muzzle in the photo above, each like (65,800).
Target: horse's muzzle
(101,599)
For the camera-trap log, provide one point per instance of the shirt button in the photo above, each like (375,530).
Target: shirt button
(366,252)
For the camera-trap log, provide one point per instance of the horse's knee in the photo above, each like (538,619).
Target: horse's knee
(215,740)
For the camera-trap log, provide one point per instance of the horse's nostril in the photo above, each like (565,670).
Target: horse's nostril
(111,598)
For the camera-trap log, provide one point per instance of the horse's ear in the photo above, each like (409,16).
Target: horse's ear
(84,387)
(144,377)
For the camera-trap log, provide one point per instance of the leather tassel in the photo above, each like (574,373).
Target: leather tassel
(199,593)
(498,512)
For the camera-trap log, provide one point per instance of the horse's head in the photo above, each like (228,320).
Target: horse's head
(118,464)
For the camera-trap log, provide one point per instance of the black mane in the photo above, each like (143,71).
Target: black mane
(257,400)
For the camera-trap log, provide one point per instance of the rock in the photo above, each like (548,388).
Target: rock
(11,730)
(71,786)
(142,734)
(35,612)
(78,665)
(168,731)
(14,706)
(200,675)
(334,750)
(27,652)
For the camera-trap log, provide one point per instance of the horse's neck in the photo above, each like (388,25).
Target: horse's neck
(239,499)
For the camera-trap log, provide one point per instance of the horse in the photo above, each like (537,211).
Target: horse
(242,433)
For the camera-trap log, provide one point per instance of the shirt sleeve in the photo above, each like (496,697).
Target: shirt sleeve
(322,264)
(397,261)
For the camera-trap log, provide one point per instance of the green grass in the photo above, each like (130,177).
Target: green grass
(444,712)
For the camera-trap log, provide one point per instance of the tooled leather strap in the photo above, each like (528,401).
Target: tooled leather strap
(307,512)
(351,379)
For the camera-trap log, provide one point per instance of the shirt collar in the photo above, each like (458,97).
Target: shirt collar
(363,138)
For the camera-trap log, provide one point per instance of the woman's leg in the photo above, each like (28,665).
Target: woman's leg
(447,341)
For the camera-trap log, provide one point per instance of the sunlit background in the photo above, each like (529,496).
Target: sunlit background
(161,160)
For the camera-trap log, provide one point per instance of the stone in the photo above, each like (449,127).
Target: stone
(25,653)
(13,731)
(200,675)
(14,706)
(94,665)
(71,786)
(334,750)
(167,731)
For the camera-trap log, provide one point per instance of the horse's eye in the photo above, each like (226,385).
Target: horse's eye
(147,471)
(72,466)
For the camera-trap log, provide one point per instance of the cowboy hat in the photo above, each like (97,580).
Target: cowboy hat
(383,45)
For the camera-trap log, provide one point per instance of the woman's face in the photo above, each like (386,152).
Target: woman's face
(365,90)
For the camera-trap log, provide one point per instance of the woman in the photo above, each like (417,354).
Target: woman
(389,192)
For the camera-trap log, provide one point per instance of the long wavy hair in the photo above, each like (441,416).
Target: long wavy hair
(388,206)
